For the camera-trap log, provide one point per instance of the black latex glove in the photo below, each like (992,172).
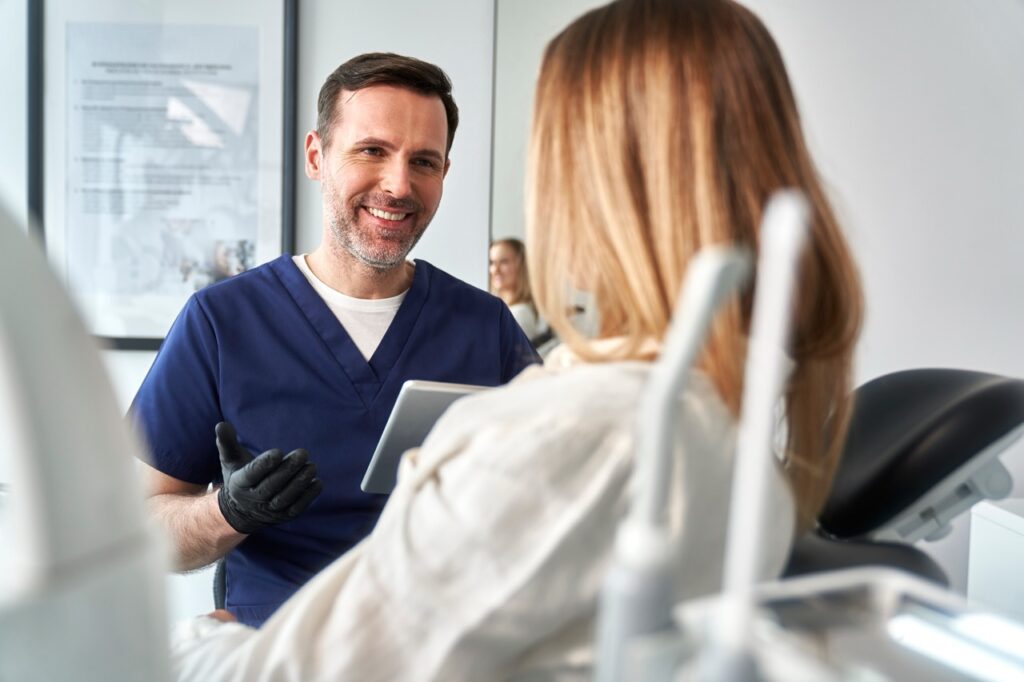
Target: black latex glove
(264,490)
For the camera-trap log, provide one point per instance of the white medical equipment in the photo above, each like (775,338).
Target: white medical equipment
(82,591)
(860,624)
(637,593)
(636,598)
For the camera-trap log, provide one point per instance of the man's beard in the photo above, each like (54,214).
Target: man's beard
(348,233)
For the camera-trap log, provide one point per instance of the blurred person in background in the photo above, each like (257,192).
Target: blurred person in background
(510,281)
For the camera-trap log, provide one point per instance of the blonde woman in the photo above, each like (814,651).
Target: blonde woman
(510,281)
(659,127)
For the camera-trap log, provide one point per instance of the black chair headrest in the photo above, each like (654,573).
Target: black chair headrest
(910,430)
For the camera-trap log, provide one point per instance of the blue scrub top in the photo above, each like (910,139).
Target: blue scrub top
(263,351)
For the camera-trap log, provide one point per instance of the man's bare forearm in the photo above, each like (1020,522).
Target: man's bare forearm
(196,527)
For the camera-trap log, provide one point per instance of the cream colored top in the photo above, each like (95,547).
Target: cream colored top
(532,324)
(488,558)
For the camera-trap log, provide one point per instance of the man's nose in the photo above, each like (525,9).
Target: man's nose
(395,179)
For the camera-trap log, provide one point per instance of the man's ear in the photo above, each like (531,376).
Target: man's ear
(314,155)
(447,165)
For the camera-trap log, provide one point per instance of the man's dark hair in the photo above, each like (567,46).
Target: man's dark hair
(384,68)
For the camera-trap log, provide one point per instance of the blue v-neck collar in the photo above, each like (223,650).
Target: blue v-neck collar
(366,377)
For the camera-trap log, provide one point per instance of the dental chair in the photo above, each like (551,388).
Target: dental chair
(923,447)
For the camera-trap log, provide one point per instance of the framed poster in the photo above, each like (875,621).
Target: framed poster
(163,150)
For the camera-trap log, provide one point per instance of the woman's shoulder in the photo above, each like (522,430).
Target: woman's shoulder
(593,396)
(608,384)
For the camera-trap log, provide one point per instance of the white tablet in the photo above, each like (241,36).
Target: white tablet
(419,405)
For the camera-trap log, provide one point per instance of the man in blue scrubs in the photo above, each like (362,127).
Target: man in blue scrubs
(305,355)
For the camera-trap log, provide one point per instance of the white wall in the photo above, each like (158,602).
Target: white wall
(524,27)
(915,112)
(13,134)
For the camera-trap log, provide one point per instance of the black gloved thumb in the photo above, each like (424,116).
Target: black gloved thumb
(232,455)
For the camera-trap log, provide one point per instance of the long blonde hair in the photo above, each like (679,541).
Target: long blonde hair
(660,127)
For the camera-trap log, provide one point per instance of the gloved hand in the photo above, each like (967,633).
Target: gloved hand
(264,490)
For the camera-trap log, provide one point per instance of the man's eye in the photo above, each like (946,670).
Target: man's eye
(425,163)
(372,151)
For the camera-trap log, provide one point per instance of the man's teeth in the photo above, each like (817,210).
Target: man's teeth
(385,215)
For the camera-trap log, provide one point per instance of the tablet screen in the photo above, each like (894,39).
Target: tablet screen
(419,405)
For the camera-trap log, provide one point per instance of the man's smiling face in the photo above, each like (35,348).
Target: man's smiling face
(382,172)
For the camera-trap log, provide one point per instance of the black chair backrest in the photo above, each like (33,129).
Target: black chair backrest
(542,338)
(813,553)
